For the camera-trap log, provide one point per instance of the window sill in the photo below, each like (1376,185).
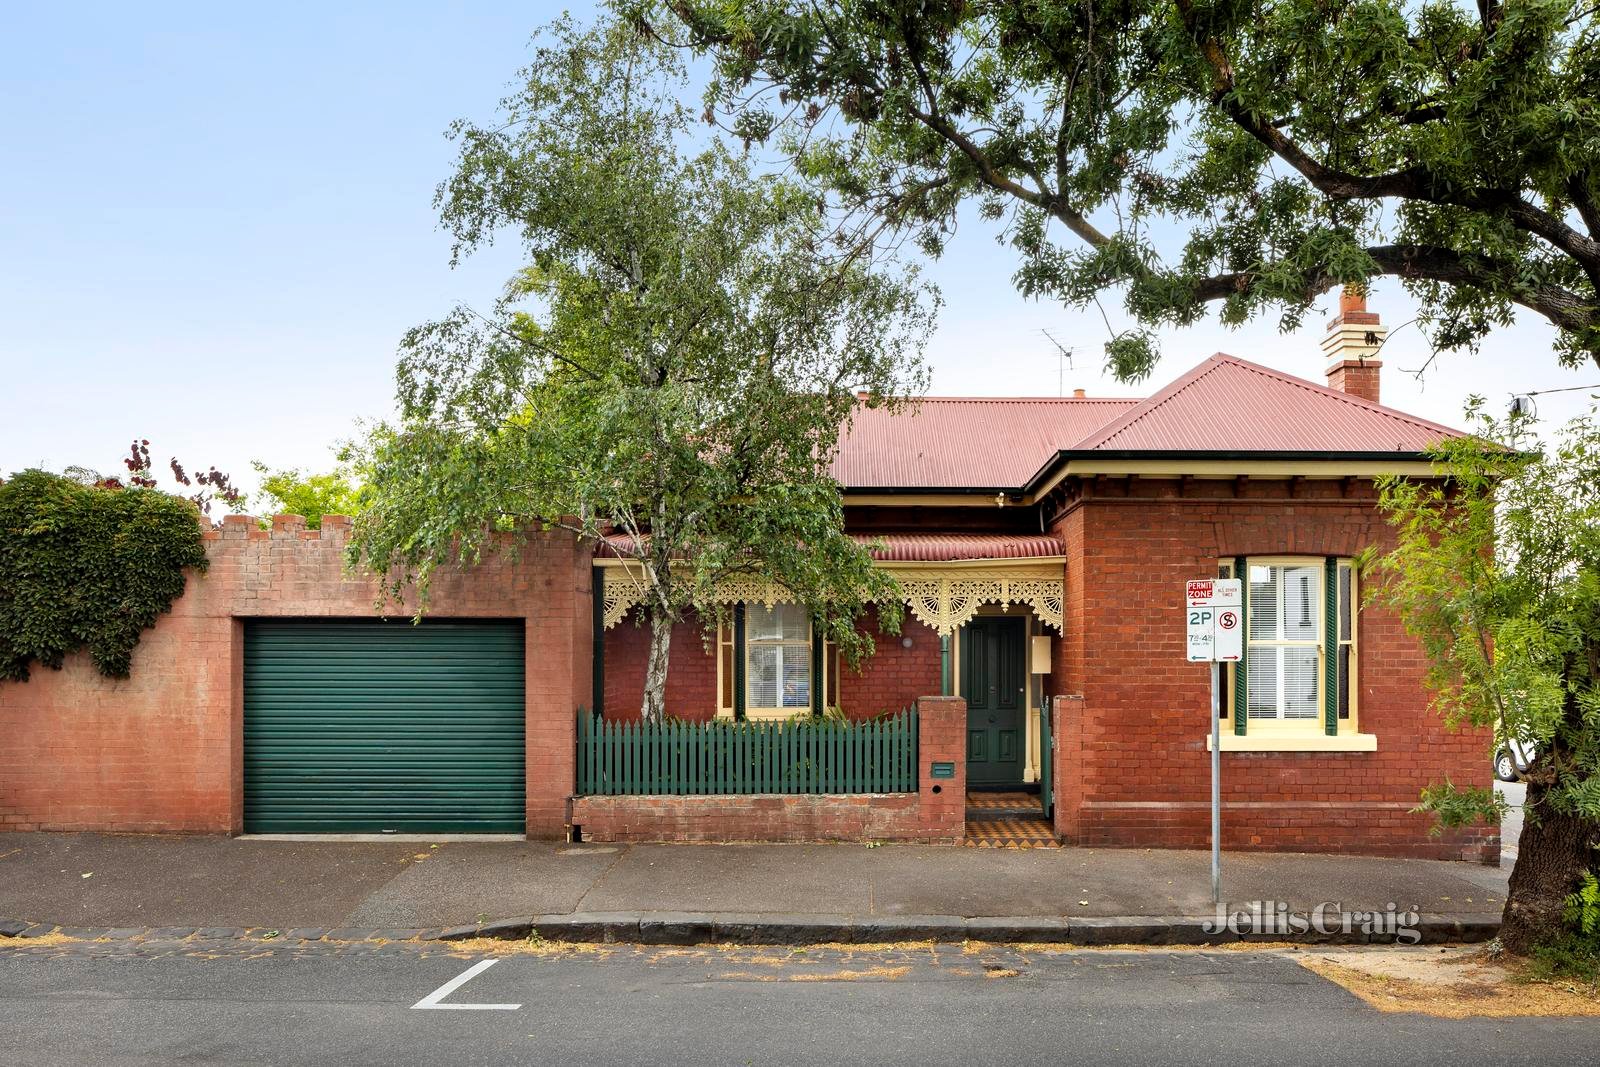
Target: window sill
(1297,743)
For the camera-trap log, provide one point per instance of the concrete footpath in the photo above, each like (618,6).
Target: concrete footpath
(93,884)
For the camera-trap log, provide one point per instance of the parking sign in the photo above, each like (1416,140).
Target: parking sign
(1214,619)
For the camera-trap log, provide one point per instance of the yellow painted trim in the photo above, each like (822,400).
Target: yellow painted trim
(773,714)
(925,500)
(1232,468)
(1257,741)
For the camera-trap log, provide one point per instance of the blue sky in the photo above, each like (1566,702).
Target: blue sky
(217,224)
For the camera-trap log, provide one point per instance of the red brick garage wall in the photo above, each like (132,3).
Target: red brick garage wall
(1142,771)
(163,749)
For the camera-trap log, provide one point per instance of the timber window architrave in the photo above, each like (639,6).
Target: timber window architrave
(813,688)
(1280,697)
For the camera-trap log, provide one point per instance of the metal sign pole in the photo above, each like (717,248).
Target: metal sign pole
(1216,785)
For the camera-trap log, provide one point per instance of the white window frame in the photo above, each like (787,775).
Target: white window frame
(1313,723)
(788,647)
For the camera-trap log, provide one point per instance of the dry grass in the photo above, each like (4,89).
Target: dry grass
(50,940)
(1453,984)
(885,973)
(493,946)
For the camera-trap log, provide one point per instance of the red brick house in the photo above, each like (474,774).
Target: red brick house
(1040,544)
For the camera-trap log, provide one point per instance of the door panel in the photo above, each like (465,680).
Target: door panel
(994,683)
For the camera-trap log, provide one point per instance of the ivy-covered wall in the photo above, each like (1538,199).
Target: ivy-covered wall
(87,567)
(162,749)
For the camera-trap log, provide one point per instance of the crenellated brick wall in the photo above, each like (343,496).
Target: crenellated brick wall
(163,749)
(1133,767)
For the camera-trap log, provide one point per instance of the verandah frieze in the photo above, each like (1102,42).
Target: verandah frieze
(942,598)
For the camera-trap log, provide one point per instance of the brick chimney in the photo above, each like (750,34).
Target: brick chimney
(1354,337)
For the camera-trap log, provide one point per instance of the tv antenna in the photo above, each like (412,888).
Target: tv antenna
(1063,361)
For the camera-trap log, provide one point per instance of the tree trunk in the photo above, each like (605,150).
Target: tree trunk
(654,708)
(1552,854)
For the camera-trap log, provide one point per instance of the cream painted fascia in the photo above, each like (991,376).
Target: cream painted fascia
(1223,469)
(1001,499)
(1308,742)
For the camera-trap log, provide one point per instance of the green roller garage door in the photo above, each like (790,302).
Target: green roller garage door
(365,726)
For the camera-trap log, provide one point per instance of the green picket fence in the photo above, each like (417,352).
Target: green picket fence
(722,758)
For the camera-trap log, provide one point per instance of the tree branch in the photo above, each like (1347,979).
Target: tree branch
(1564,308)
(1413,183)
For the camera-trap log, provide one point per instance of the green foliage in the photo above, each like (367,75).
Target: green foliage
(1452,807)
(1497,572)
(293,492)
(83,566)
(1197,152)
(673,366)
(1576,954)
(1583,908)
(1571,956)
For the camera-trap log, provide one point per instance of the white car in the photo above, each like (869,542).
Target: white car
(1512,757)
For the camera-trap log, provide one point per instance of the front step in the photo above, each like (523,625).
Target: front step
(989,814)
(1012,804)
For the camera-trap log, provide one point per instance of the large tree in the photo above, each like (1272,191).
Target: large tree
(1242,153)
(1497,571)
(671,370)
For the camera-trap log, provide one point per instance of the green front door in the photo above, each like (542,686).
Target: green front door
(994,682)
(368,726)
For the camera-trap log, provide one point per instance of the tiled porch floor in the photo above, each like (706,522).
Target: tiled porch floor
(977,801)
(1007,820)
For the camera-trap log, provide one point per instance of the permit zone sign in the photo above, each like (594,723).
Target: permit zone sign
(1214,613)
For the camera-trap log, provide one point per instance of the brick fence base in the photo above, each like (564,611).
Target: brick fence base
(857,817)
(935,814)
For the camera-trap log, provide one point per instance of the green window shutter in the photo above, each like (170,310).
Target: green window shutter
(817,640)
(1241,675)
(1330,646)
(738,662)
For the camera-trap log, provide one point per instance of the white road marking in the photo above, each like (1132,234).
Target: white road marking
(432,1000)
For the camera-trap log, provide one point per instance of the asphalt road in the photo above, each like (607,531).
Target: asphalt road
(734,1006)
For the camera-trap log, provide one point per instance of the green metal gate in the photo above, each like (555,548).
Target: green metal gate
(370,726)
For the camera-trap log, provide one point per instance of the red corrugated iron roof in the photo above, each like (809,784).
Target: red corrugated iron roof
(950,548)
(965,442)
(914,548)
(1228,404)
(1225,405)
